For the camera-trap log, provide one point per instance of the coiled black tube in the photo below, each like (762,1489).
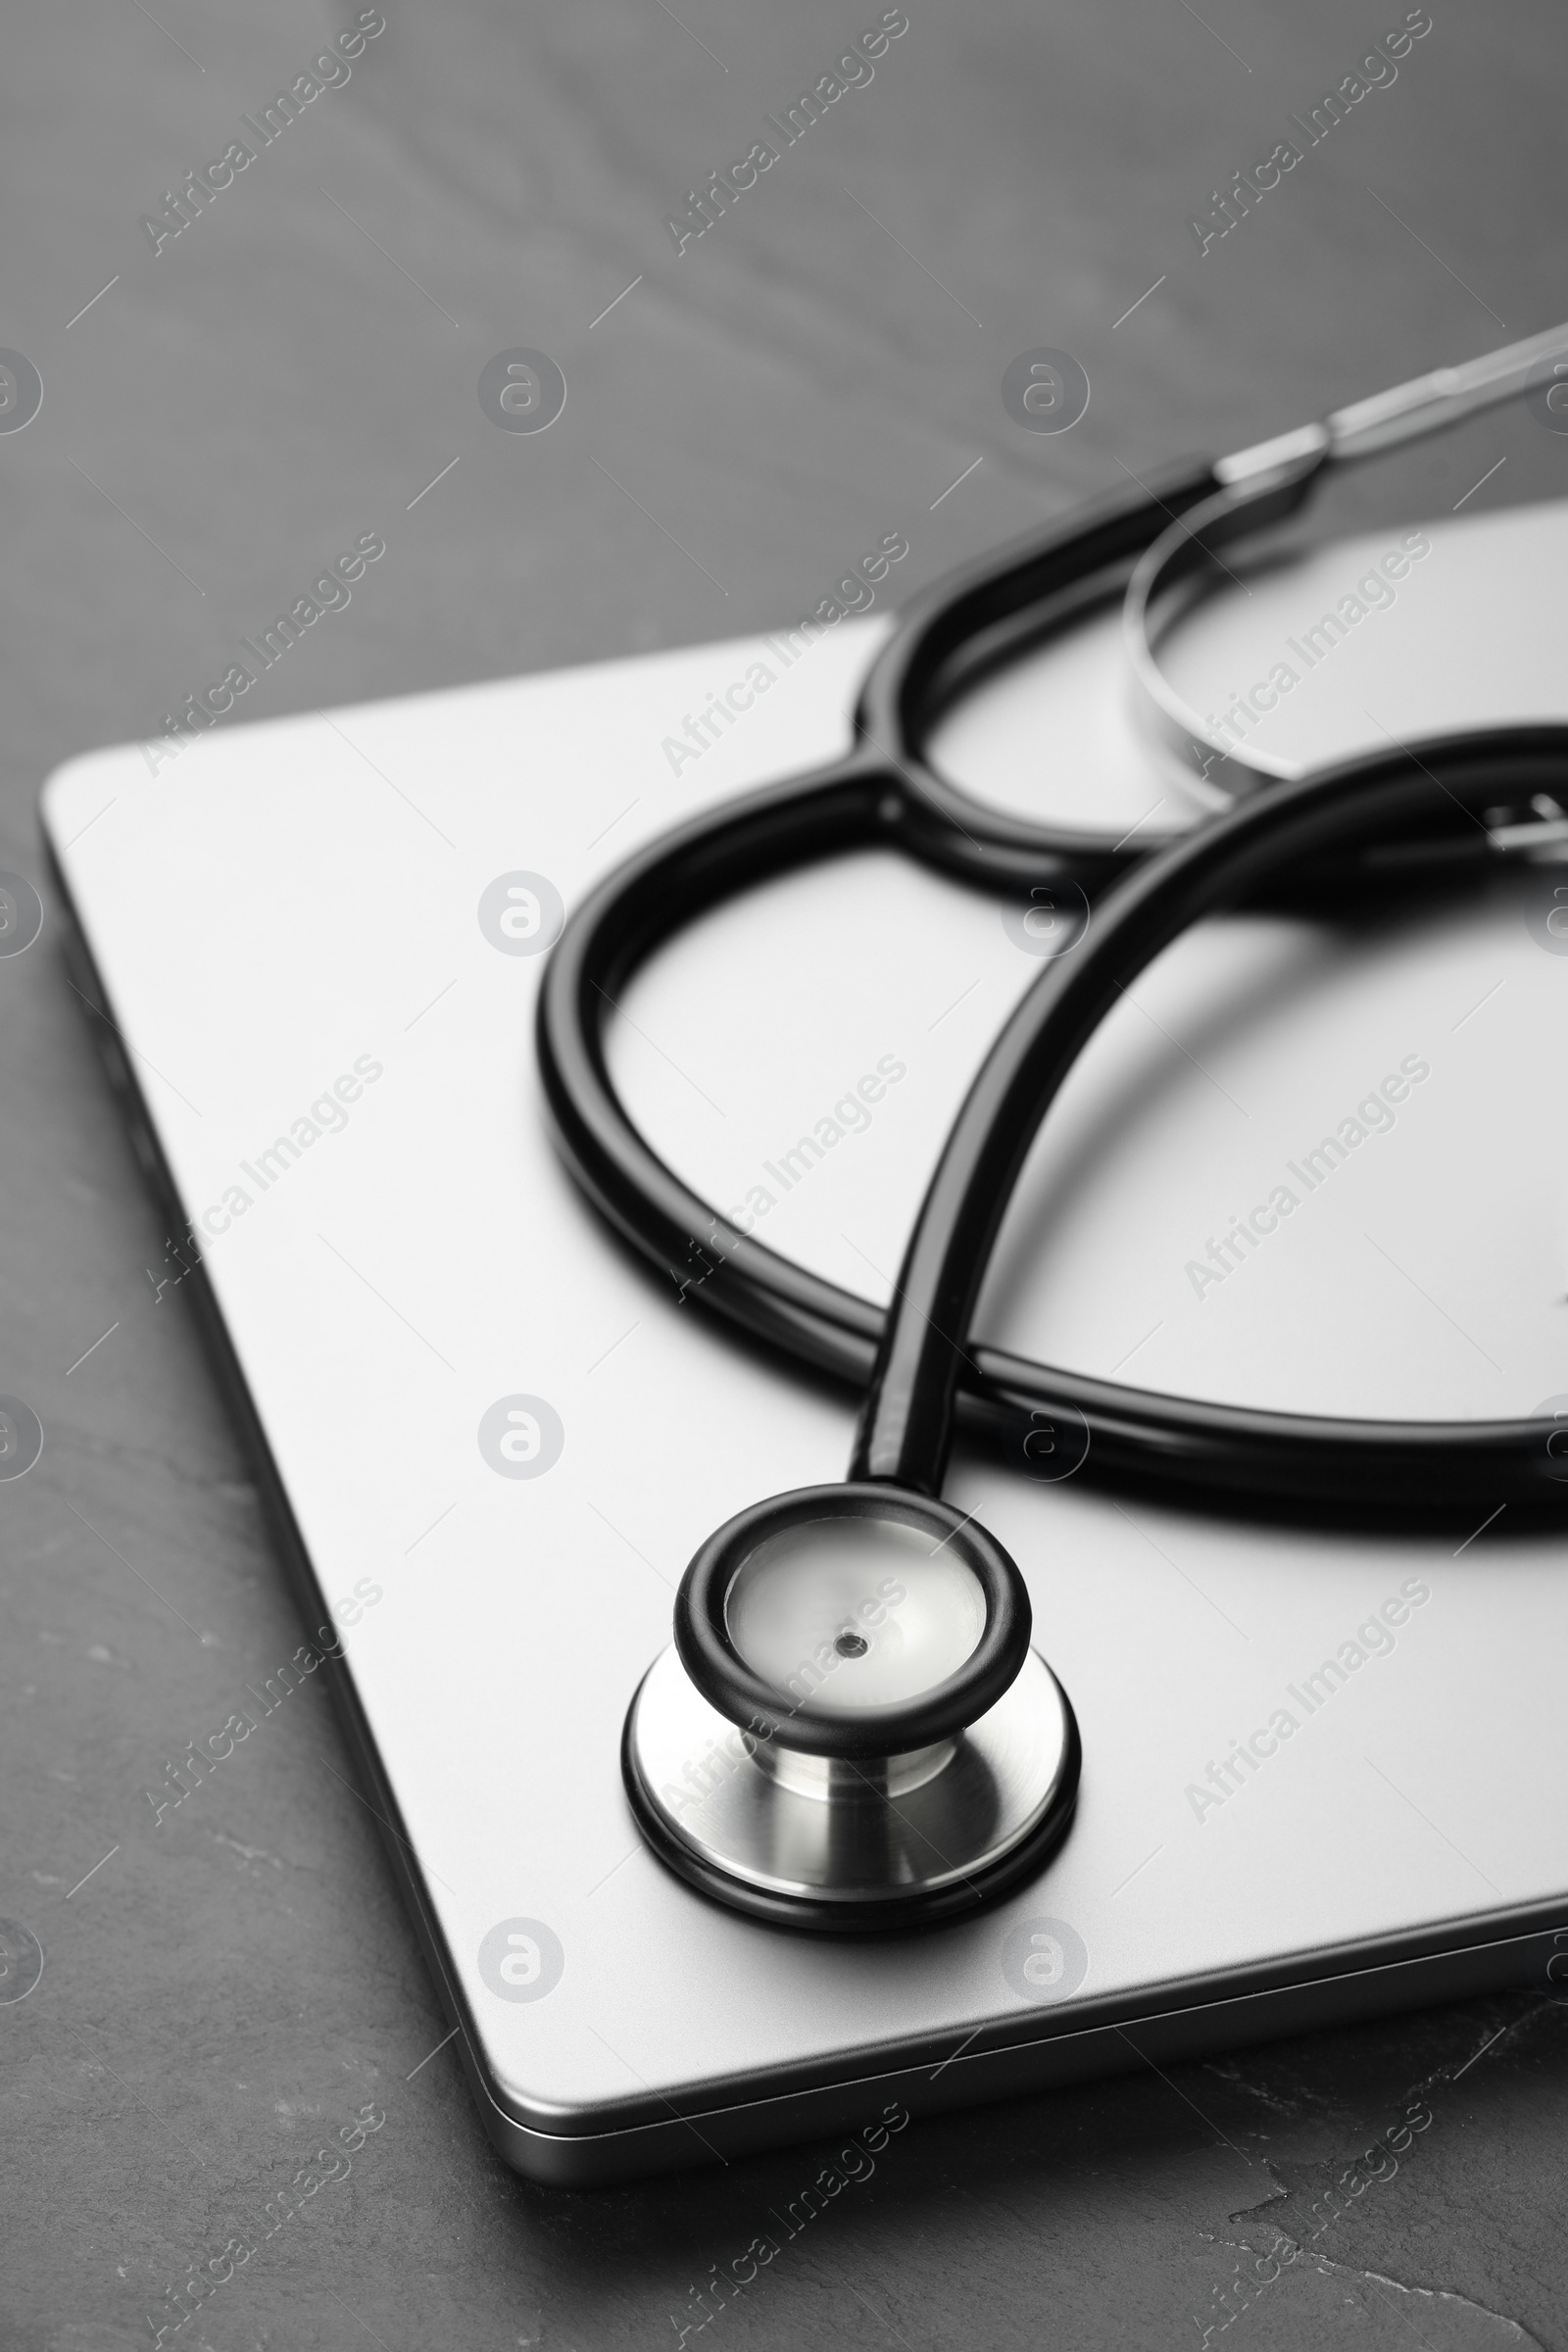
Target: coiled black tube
(918,1364)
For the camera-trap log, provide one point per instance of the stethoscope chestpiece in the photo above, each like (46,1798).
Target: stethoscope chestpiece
(850,1730)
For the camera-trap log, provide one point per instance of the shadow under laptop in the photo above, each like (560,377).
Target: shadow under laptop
(1156,2203)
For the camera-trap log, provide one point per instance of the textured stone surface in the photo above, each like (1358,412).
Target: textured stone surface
(222,1995)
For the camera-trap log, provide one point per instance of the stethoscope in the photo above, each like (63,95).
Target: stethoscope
(851,1730)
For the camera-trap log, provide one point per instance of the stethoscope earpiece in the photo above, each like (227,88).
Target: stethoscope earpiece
(850,1730)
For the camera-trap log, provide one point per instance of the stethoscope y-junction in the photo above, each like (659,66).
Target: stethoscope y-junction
(851,1730)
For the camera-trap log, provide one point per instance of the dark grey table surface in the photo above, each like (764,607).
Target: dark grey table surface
(291,372)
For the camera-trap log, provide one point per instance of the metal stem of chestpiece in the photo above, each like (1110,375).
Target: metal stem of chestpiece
(1260,486)
(775,1756)
(830,1779)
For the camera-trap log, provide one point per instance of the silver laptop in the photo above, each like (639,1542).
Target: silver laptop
(1325,1772)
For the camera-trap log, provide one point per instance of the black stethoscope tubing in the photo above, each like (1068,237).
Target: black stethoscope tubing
(915,1364)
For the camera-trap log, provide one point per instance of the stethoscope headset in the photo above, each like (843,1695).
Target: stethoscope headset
(851,1731)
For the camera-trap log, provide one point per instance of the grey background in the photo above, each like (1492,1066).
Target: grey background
(221,1995)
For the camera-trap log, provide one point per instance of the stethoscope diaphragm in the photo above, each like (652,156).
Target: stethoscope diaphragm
(850,1730)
